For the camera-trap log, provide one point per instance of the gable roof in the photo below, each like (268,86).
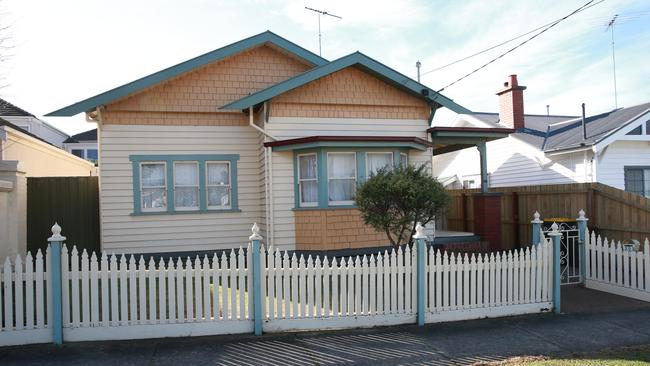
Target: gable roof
(187,66)
(8,109)
(553,133)
(86,136)
(355,59)
(4,122)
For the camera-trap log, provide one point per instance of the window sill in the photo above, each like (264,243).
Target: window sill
(317,208)
(184,212)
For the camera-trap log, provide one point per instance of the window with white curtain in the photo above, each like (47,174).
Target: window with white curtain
(153,187)
(378,160)
(405,159)
(342,177)
(218,184)
(186,185)
(308,180)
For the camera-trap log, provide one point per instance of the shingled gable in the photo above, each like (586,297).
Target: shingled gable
(120,92)
(361,61)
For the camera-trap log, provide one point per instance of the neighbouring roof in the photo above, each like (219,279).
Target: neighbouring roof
(4,122)
(447,139)
(86,136)
(8,109)
(554,132)
(347,141)
(267,37)
(356,59)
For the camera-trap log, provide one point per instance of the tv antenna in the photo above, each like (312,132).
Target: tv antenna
(321,12)
(611,25)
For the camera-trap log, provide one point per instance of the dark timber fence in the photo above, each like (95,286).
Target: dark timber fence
(612,212)
(73,202)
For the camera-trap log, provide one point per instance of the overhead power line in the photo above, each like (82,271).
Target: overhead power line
(502,43)
(519,45)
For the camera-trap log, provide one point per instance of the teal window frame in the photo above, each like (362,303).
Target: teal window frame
(321,161)
(201,160)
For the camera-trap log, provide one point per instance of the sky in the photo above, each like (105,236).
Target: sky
(65,51)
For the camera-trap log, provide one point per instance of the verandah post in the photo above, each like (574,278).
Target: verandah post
(555,237)
(56,240)
(255,239)
(537,227)
(582,236)
(421,262)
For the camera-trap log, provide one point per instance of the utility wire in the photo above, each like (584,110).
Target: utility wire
(553,24)
(502,43)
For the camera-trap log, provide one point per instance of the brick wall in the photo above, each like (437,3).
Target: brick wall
(334,229)
(193,98)
(349,93)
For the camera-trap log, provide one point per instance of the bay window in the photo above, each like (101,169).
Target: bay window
(378,160)
(342,177)
(308,180)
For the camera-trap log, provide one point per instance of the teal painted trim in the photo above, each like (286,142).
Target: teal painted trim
(55,288)
(352,144)
(137,203)
(537,226)
(323,189)
(361,167)
(421,257)
(582,233)
(187,66)
(556,273)
(366,63)
(257,287)
(169,160)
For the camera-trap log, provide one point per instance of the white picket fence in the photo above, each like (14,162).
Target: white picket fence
(611,268)
(115,297)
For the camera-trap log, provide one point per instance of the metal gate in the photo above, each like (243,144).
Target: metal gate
(569,251)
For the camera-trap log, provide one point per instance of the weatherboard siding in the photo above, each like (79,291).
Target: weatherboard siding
(122,232)
(618,155)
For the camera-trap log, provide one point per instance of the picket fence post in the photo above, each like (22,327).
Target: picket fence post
(537,228)
(582,242)
(255,239)
(56,240)
(555,237)
(421,263)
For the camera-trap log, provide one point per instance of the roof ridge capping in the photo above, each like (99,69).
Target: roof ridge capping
(187,66)
(356,58)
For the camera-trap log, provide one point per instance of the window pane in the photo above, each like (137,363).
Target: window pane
(91,154)
(309,191)
(405,159)
(78,152)
(341,165)
(636,131)
(634,181)
(218,173)
(341,189)
(186,174)
(376,161)
(308,168)
(219,196)
(154,198)
(153,175)
(186,197)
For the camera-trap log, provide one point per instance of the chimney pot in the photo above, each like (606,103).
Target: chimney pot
(511,103)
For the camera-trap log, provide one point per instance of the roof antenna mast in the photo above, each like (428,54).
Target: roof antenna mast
(611,25)
(321,12)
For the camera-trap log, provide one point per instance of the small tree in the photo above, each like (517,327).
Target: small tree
(394,201)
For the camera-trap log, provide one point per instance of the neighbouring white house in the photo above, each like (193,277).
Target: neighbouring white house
(83,145)
(612,148)
(30,123)
(263,131)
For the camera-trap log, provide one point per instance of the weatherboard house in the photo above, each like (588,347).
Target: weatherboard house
(264,131)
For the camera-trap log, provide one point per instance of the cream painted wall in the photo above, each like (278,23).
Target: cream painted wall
(13,210)
(39,159)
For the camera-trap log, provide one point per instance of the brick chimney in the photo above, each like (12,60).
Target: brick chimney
(511,103)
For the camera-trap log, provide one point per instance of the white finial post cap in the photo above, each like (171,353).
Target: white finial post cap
(554,230)
(256,233)
(56,233)
(419,232)
(536,218)
(581,216)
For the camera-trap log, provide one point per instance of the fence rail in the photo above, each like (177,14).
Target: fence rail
(118,297)
(612,268)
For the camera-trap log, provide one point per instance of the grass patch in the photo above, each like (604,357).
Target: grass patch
(628,356)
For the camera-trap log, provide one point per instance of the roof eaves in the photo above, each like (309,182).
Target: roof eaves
(186,66)
(355,58)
